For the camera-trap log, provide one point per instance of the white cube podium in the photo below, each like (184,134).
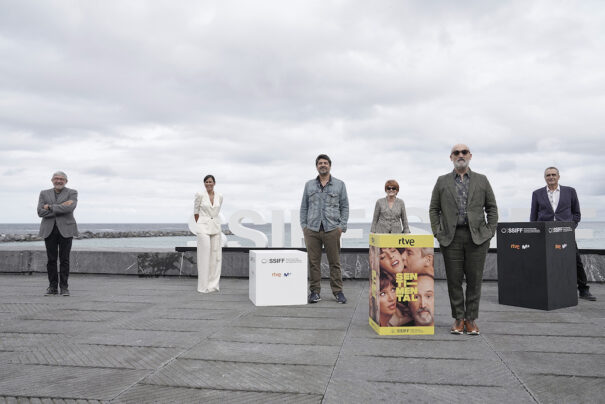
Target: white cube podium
(278,277)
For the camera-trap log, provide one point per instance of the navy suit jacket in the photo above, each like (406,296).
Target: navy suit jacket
(568,209)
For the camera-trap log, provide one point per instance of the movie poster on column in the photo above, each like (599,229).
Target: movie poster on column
(402,284)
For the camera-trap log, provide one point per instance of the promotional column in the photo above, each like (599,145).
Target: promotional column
(402,279)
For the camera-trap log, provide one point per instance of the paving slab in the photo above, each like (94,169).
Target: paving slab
(469,372)
(318,310)
(146,393)
(403,391)
(46,400)
(143,338)
(566,389)
(264,353)
(28,308)
(558,364)
(97,356)
(179,313)
(429,347)
(19,342)
(55,326)
(313,323)
(66,382)
(243,376)
(536,328)
(71,315)
(165,324)
(279,336)
(542,343)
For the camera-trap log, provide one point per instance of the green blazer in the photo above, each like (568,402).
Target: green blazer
(481,202)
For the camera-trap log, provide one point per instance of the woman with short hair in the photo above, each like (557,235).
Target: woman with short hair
(389,212)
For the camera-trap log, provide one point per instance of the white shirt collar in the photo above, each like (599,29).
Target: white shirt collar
(558,189)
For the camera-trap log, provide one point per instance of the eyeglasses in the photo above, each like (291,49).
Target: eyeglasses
(392,189)
(459,152)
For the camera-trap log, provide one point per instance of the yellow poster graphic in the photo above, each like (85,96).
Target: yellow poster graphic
(402,284)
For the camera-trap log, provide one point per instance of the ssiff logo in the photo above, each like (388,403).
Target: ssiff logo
(560,246)
(273,260)
(512,230)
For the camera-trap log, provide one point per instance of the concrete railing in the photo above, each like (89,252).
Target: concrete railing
(182,261)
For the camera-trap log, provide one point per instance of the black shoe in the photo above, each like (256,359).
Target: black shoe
(64,292)
(340,298)
(50,291)
(586,295)
(314,297)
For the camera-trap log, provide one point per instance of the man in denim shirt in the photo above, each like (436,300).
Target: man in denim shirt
(324,212)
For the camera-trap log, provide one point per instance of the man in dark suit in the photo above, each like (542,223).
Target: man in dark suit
(58,227)
(460,202)
(556,202)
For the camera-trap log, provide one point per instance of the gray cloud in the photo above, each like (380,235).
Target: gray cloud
(142,99)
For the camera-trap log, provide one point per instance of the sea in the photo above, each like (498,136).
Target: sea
(589,235)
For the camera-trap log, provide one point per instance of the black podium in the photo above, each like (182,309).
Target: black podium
(537,265)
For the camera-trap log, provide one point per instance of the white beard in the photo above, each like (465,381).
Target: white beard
(458,164)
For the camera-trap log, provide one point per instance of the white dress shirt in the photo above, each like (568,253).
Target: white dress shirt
(553,197)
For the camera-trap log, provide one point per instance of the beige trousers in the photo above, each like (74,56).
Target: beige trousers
(209,261)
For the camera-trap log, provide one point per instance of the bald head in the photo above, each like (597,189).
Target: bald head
(461,157)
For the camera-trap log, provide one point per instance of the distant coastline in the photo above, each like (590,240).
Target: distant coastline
(590,235)
(5,238)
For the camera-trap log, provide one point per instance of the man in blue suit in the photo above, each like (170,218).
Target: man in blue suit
(559,203)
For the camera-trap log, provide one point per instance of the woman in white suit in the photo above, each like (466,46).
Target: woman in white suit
(206,210)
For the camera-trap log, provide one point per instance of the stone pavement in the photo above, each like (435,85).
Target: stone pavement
(124,339)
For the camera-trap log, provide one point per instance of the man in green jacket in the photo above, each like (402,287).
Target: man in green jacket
(460,202)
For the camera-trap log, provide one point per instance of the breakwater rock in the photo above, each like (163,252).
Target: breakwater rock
(104,234)
(128,234)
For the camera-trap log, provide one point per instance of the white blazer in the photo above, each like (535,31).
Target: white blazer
(209,221)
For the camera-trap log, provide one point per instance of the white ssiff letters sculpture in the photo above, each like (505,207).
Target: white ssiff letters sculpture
(260,239)
(278,228)
(278,225)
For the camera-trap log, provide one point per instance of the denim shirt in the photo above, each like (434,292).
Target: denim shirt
(328,206)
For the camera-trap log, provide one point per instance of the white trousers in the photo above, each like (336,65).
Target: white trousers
(209,261)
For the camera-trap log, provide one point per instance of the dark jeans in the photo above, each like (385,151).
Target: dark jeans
(464,259)
(331,242)
(582,281)
(57,246)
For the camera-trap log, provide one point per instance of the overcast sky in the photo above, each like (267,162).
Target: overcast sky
(137,100)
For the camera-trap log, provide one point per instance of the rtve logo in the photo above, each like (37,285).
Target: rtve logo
(560,246)
(280,275)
